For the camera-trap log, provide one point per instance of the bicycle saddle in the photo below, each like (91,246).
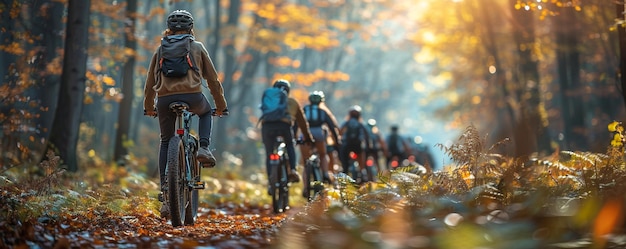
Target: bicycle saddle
(179,105)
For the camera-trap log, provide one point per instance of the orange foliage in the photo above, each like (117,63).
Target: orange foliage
(308,79)
(609,218)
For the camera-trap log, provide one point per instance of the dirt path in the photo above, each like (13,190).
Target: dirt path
(226,227)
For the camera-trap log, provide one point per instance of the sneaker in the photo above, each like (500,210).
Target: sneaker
(206,157)
(165,211)
(294,176)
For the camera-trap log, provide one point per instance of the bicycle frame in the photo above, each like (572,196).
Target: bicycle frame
(183,131)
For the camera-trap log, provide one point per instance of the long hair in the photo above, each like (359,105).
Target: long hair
(167,32)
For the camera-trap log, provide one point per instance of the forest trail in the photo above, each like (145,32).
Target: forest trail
(230,226)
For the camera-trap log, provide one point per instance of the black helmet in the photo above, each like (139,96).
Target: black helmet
(180,20)
(355,111)
(283,84)
(316,97)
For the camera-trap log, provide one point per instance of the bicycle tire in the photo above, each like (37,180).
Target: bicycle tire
(319,179)
(191,212)
(308,175)
(284,188)
(275,187)
(178,190)
(314,178)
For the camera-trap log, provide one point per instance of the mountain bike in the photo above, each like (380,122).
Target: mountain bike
(279,176)
(356,170)
(313,178)
(183,169)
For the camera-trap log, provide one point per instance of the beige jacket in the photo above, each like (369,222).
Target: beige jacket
(297,116)
(158,85)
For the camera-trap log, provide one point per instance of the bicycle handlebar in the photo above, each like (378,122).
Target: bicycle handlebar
(301,141)
(224,112)
(213,113)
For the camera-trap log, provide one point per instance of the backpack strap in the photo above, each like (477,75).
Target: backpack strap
(159,64)
(190,60)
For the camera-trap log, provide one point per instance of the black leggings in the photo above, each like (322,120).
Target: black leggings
(271,130)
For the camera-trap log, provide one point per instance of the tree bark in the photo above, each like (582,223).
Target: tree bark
(621,32)
(65,128)
(229,66)
(532,126)
(126,106)
(568,64)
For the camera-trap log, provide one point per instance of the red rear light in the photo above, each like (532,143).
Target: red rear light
(369,162)
(353,155)
(394,164)
(274,157)
(180,131)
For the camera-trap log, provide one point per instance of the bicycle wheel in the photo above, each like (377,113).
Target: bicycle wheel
(284,187)
(275,187)
(191,211)
(178,190)
(313,179)
(318,185)
(307,178)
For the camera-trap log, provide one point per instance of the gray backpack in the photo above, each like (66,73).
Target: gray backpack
(174,55)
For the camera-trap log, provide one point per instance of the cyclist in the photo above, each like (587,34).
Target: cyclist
(272,129)
(188,89)
(354,138)
(397,147)
(321,120)
(376,143)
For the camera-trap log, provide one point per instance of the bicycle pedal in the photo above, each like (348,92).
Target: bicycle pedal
(199,185)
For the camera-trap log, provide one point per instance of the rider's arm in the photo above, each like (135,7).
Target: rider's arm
(210,74)
(296,111)
(149,92)
(332,125)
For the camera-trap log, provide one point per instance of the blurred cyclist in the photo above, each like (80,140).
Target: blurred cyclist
(354,139)
(272,129)
(397,147)
(376,144)
(321,120)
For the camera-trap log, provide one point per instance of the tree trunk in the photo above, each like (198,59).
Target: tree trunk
(532,126)
(65,128)
(569,80)
(52,25)
(126,106)
(621,31)
(229,66)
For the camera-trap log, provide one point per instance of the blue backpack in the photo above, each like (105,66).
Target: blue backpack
(274,105)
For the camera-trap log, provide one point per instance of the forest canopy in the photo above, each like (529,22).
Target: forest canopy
(545,74)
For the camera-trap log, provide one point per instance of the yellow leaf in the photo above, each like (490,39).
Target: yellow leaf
(108,81)
(613,126)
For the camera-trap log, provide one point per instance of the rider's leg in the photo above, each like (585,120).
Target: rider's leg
(167,124)
(269,138)
(321,151)
(344,157)
(199,105)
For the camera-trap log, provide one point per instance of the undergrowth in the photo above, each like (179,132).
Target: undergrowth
(484,200)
